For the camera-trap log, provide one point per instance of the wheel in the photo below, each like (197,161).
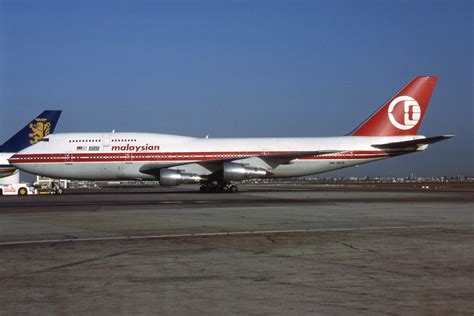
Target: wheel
(214,188)
(233,189)
(22,191)
(59,191)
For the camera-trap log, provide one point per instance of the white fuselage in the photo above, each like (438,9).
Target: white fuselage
(116,156)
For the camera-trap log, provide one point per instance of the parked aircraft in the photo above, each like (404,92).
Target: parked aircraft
(43,125)
(217,163)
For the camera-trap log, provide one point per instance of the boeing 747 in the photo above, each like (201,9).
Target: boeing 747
(217,163)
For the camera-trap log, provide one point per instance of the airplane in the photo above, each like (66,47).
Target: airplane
(217,163)
(41,126)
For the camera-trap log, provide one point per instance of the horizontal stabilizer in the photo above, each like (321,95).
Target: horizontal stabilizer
(413,143)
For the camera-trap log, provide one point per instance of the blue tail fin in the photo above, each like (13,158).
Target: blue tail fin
(33,132)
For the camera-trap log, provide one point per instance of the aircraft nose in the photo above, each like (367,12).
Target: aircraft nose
(13,159)
(22,161)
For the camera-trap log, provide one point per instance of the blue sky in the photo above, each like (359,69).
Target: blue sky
(240,69)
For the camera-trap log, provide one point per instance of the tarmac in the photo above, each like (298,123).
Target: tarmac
(286,249)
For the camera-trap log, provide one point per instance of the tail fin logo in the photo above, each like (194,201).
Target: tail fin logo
(411,109)
(40,129)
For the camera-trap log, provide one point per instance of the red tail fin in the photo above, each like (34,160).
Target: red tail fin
(403,113)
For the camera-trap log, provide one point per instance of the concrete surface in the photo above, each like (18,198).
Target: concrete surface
(291,250)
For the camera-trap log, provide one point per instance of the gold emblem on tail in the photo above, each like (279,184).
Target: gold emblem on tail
(39,130)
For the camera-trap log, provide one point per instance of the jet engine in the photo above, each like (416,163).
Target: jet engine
(170,177)
(237,172)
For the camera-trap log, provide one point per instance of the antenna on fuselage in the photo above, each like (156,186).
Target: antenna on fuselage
(113,131)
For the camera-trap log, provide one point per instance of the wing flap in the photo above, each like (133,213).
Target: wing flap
(284,158)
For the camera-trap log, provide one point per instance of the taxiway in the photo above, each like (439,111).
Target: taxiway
(267,250)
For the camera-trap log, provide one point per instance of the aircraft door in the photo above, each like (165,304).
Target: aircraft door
(128,158)
(124,167)
(68,159)
(106,140)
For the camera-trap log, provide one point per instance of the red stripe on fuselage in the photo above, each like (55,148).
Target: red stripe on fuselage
(179,156)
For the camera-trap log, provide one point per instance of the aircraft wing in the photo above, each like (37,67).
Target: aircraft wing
(213,165)
(273,160)
(412,144)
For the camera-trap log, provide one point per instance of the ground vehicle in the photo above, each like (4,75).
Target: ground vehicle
(28,189)
(53,188)
(17,189)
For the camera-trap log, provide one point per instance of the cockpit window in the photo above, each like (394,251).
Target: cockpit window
(44,140)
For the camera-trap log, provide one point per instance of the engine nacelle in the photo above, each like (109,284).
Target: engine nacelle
(170,177)
(237,172)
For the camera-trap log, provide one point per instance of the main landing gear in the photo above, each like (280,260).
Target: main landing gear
(218,188)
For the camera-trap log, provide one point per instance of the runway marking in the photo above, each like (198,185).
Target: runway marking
(238,233)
